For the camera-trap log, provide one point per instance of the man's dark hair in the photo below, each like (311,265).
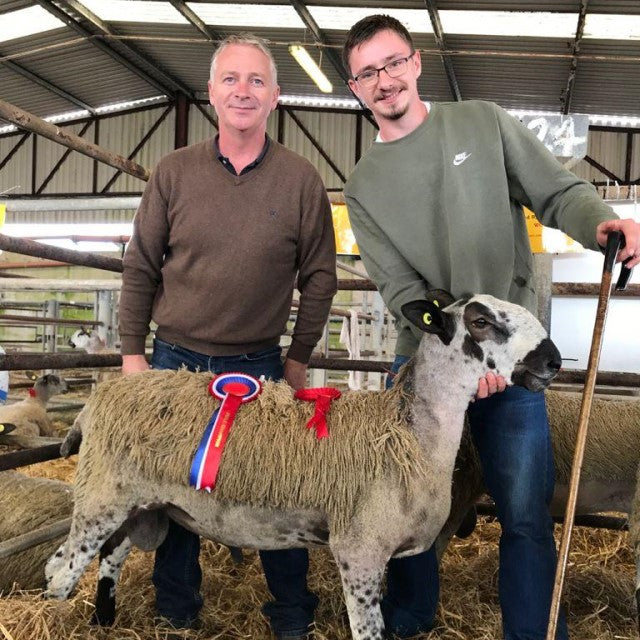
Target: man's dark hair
(366,28)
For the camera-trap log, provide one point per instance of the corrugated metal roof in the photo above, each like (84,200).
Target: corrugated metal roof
(535,80)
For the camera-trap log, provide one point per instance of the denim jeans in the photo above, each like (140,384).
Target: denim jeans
(511,432)
(176,573)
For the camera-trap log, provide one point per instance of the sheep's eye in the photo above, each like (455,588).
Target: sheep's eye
(480,323)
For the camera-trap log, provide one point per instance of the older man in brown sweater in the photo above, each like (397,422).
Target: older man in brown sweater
(223,229)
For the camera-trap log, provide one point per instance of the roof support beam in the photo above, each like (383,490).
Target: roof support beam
(139,146)
(334,58)
(207,115)
(627,168)
(167,85)
(40,81)
(436,25)
(568,92)
(604,170)
(15,149)
(60,162)
(314,142)
(195,20)
(319,37)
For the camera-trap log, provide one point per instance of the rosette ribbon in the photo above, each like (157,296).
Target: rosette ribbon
(233,389)
(322,397)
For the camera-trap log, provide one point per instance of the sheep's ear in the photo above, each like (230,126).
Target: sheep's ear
(429,317)
(7,427)
(440,297)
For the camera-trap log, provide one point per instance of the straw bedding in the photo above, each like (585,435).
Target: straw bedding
(25,505)
(154,421)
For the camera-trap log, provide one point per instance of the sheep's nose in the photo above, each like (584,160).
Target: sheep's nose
(71,343)
(552,355)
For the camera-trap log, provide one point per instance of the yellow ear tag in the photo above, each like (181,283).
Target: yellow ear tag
(436,303)
(426,318)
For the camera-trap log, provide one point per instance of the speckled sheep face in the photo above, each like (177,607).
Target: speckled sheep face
(489,335)
(508,340)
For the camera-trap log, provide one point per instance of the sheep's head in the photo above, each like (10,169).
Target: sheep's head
(490,335)
(79,339)
(49,385)
(90,341)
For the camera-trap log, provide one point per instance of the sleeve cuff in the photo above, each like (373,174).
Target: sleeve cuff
(132,345)
(299,352)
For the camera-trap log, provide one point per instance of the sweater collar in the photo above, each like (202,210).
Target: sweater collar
(226,163)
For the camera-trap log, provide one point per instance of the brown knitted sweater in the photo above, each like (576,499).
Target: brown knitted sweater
(214,256)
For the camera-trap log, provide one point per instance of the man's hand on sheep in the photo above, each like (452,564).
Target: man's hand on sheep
(490,384)
(631,231)
(134,364)
(295,373)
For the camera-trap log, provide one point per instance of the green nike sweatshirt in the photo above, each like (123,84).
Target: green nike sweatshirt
(442,208)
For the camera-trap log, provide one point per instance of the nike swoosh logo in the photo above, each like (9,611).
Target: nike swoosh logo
(460,158)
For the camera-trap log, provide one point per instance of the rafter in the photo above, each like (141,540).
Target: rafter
(42,82)
(167,84)
(604,170)
(195,20)
(319,37)
(334,58)
(568,92)
(436,25)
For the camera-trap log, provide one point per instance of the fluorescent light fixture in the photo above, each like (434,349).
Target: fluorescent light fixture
(135,11)
(343,18)
(540,24)
(311,68)
(319,101)
(235,14)
(26,22)
(612,27)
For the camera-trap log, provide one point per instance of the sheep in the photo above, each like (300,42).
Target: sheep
(379,487)
(608,475)
(29,416)
(27,504)
(90,341)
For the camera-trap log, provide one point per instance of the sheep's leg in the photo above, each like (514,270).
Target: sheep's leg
(87,535)
(361,579)
(112,556)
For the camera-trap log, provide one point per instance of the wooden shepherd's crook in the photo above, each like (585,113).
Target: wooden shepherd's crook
(614,242)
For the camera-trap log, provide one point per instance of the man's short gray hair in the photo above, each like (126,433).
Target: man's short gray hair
(247,39)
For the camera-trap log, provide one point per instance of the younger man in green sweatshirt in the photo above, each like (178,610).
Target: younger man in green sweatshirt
(437,203)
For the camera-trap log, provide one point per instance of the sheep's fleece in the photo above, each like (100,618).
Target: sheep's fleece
(154,421)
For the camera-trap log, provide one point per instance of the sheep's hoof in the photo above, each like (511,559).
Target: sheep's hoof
(105,611)
(468,524)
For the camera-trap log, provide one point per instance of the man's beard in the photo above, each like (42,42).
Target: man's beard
(395,112)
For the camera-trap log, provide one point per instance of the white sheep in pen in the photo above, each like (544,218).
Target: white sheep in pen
(133,468)
(29,416)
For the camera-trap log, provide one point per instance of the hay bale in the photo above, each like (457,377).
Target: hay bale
(153,422)
(27,504)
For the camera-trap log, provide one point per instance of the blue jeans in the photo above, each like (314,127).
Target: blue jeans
(176,574)
(511,432)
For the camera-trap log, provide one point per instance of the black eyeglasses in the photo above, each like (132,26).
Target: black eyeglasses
(394,69)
